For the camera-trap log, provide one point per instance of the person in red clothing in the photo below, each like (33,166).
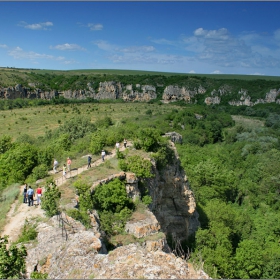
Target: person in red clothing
(69,164)
(39,194)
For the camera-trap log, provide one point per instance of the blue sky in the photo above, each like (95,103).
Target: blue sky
(185,37)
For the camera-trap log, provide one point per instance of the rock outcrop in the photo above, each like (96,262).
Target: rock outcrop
(173,201)
(80,257)
(132,93)
(175,93)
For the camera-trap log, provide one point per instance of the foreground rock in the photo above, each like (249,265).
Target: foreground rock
(81,256)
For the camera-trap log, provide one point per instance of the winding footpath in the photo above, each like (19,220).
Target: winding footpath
(19,211)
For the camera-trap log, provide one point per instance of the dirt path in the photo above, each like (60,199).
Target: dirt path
(16,217)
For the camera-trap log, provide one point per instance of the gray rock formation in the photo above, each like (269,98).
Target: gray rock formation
(79,258)
(173,202)
(212,100)
(174,93)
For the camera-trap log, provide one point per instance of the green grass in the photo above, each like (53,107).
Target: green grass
(35,121)
(10,73)
(10,193)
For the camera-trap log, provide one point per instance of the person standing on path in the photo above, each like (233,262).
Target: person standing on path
(103,154)
(69,161)
(39,194)
(25,194)
(124,142)
(117,145)
(30,194)
(55,164)
(89,161)
(64,171)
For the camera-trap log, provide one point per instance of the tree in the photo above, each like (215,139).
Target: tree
(249,259)
(12,260)
(50,199)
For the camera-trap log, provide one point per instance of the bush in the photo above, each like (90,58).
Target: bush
(80,216)
(140,166)
(85,195)
(12,260)
(147,199)
(29,233)
(17,163)
(38,172)
(38,275)
(50,199)
(111,197)
(113,205)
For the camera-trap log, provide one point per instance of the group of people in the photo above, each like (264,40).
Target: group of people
(29,195)
(64,168)
(69,161)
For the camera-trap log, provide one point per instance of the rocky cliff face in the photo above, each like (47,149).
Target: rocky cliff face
(81,257)
(175,93)
(143,93)
(173,202)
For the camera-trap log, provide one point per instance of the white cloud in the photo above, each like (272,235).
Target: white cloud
(19,53)
(95,27)
(220,34)
(36,26)
(67,46)
(138,49)
(105,46)
(216,72)
(3,46)
(192,72)
(258,74)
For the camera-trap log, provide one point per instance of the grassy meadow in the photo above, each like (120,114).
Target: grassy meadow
(35,121)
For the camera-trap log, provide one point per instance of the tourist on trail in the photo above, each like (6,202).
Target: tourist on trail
(69,164)
(103,154)
(89,161)
(30,194)
(124,142)
(64,170)
(25,194)
(117,145)
(39,194)
(55,164)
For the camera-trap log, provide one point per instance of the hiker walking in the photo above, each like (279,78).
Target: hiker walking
(89,161)
(124,142)
(64,171)
(103,154)
(39,194)
(25,194)
(69,161)
(55,164)
(30,194)
(117,145)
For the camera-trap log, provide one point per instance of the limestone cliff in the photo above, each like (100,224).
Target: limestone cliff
(173,201)
(143,93)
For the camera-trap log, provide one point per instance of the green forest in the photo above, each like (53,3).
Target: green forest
(231,156)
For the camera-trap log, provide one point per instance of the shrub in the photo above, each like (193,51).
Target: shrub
(147,199)
(50,199)
(85,195)
(38,172)
(29,233)
(111,197)
(80,216)
(113,205)
(38,275)
(17,163)
(12,260)
(140,166)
